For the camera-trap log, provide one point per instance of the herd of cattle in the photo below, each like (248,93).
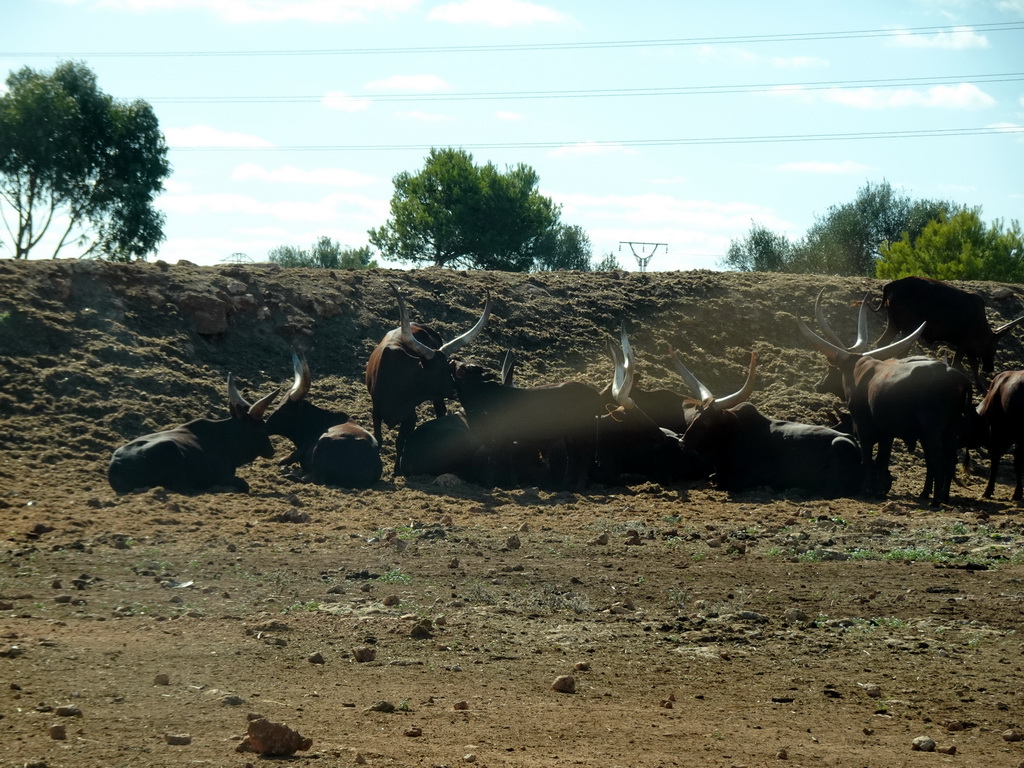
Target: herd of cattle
(570,434)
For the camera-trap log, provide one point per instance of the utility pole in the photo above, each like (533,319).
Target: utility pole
(642,258)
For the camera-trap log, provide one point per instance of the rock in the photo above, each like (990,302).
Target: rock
(359,759)
(453,563)
(950,750)
(513,542)
(872,690)
(524,528)
(600,540)
(414,731)
(392,600)
(232,700)
(923,744)
(581,666)
(382,706)
(633,538)
(469,758)
(178,739)
(782,754)
(273,739)
(162,679)
(564,684)
(58,732)
(1012,735)
(422,630)
(461,705)
(447,480)
(315,658)
(69,711)
(796,616)
(364,653)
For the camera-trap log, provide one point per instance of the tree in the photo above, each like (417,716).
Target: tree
(563,248)
(73,158)
(607,263)
(454,213)
(849,238)
(959,247)
(760,251)
(325,254)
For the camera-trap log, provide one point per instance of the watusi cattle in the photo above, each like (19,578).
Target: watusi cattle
(408,367)
(913,400)
(950,315)
(1001,427)
(328,447)
(198,455)
(749,450)
(510,421)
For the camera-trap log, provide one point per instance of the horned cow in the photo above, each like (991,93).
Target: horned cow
(1001,415)
(198,455)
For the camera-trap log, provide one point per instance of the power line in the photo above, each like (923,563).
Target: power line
(672,142)
(1008,26)
(686,90)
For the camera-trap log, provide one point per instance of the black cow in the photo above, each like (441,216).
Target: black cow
(328,447)
(510,420)
(445,445)
(750,450)
(198,455)
(408,367)
(1002,427)
(951,315)
(913,400)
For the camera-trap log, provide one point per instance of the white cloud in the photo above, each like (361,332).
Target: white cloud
(414,83)
(343,102)
(289,174)
(960,38)
(264,11)
(508,116)
(590,149)
(207,136)
(423,117)
(497,13)
(824,167)
(959,96)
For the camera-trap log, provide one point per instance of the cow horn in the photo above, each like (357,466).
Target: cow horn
(695,387)
(239,403)
(460,341)
(1003,329)
(834,353)
(861,344)
(507,366)
(622,384)
(258,408)
(302,379)
(234,397)
(826,329)
(410,342)
(897,348)
(745,391)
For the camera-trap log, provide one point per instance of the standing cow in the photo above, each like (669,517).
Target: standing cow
(951,315)
(198,455)
(329,447)
(408,367)
(1001,426)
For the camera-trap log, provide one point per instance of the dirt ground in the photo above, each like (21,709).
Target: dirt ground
(701,629)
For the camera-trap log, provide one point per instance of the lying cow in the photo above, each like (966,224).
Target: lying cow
(749,450)
(198,455)
(328,447)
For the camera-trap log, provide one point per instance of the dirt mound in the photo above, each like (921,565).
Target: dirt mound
(700,628)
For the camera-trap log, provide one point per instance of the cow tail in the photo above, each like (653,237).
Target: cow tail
(966,425)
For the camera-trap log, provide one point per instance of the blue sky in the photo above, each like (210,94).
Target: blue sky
(667,122)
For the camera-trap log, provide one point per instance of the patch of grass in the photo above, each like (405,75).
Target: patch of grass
(310,605)
(917,555)
(394,576)
(810,556)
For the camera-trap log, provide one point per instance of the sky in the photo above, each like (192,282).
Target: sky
(669,122)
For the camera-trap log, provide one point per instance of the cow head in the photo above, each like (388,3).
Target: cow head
(252,439)
(713,416)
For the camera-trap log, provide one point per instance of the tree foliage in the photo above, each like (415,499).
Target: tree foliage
(74,160)
(455,213)
(563,248)
(958,247)
(325,254)
(607,263)
(760,251)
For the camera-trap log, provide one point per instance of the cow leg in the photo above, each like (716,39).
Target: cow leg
(376,427)
(1018,467)
(405,428)
(440,409)
(995,455)
(881,479)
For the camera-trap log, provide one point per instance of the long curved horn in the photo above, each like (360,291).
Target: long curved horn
(302,378)
(460,341)
(1003,329)
(235,399)
(624,372)
(258,408)
(745,391)
(823,326)
(507,366)
(897,348)
(833,352)
(861,344)
(695,387)
(409,341)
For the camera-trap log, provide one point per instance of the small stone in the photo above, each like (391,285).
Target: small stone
(232,700)
(391,600)
(782,754)
(600,540)
(633,538)
(178,739)
(950,750)
(513,542)
(69,711)
(273,739)
(923,744)
(796,616)
(524,528)
(1012,735)
(383,706)
(421,630)
(414,731)
(461,705)
(581,666)
(359,759)
(162,679)
(564,684)
(453,563)
(315,658)
(364,653)
(469,758)
(58,732)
